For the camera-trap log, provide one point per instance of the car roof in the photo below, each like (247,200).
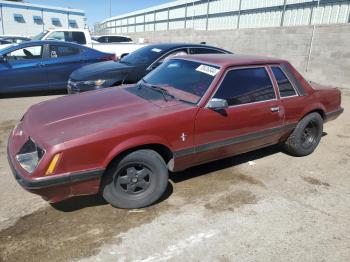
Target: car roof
(226,60)
(15,37)
(177,45)
(41,42)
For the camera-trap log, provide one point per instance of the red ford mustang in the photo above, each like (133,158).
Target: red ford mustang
(122,142)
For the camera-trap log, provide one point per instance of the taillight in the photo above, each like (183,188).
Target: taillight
(108,57)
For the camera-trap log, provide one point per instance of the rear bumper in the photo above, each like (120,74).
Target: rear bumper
(59,187)
(334,114)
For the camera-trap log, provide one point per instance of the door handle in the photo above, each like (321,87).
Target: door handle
(275,109)
(41,65)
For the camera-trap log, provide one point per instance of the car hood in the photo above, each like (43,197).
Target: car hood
(72,117)
(102,70)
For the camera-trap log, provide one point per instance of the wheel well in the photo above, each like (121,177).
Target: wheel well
(319,111)
(162,150)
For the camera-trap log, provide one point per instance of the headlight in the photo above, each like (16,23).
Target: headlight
(29,156)
(97,83)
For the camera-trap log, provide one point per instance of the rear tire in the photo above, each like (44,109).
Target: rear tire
(306,136)
(137,180)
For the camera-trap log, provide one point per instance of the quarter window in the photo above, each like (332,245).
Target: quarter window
(248,85)
(57,51)
(284,85)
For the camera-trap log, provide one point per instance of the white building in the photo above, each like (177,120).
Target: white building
(228,14)
(18,18)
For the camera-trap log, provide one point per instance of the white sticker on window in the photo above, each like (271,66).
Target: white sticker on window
(157,50)
(207,70)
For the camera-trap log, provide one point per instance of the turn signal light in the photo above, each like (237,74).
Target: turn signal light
(52,165)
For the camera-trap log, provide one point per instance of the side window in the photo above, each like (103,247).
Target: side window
(57,51)
(204,50)
(248,85)
(57,35)
(284,85)
(119,39)
(30,52)
(102,39)
(75,37)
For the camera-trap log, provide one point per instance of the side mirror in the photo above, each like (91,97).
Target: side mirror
(217,104)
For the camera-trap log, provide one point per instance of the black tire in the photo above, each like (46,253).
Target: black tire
(137,180)
(306,136)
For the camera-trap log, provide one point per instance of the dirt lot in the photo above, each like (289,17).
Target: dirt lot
(261,206)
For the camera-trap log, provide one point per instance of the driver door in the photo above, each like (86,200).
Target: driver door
(254,117)
(22,70)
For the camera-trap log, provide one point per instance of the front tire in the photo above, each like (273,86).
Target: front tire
(306,136)
(137,180)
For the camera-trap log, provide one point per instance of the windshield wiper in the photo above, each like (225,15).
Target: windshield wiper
(159,89)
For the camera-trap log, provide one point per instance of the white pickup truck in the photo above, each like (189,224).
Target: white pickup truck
(83,37)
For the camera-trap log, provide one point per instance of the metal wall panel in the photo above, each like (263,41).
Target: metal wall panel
(176,25)
(220,6)
(161,15)
(231,14)
(177,12)
(222,22)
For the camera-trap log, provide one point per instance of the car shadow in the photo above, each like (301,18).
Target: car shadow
(218,165)
(81,202)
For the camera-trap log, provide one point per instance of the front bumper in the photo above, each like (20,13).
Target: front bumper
(58,187)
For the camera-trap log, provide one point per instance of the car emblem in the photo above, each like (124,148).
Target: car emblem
(183,137)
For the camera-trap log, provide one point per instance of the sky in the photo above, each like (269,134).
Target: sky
(98,10)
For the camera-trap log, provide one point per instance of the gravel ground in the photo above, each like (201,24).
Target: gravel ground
(260,206)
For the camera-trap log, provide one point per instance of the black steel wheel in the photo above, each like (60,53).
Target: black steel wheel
(137,180)
(133,179)
(306,136)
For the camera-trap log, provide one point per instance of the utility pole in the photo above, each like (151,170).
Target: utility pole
(311,41)
(110,8)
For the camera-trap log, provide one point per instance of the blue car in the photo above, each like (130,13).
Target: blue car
(43,65)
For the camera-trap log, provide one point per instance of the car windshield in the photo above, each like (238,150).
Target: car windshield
(184,80)
(39,36)
(145,55)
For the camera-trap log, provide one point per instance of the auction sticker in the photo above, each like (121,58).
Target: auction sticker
(207,70)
